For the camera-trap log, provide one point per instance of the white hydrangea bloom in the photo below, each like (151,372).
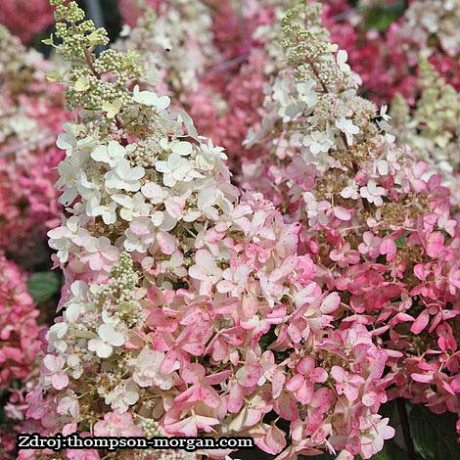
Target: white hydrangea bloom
(148,370)
(342,57)
(108,338)
(140,234)
(319,142)
(348,128)
(307,92)
(108,212)
(124,177)
(110,154)
(373,193)
(132,206)
(176,169)
(151,99)
(123,396)
(350,191)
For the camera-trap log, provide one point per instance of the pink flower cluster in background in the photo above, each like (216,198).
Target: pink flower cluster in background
(19,347)
(231,91)
(31,110)
(30,116)
(26,18)
(388,61)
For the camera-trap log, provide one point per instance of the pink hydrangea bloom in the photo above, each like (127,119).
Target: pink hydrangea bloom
(117,425)
(30,115)
(19,347)
(201,311)
(396,267)
(26,18)
(192,307)
(131,10)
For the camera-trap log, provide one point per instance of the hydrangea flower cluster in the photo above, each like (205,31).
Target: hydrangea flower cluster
(199,48)
(26,18)
(430,30)
(30,112)
(132,10)
(387,62)
(19,346)
(176,42)
(383,238)
(187,308)
(230,93)
(228,23)
(430,128)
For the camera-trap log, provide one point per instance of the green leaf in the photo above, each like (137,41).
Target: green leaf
(267,339)
(43,285)
(390,451)
(325,456)
(390,410)
(434,435)
(252,454)
(381,17)
(400,242)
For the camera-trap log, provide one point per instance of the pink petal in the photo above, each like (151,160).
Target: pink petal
(388,247)
(306,365)
(220,377)
(235,399)
(60,381)
(209,396)
(167,243)
(420,323)
(168,363)
(275,440)
(305,393)
(96,262)
(277,383)
(249,375)
(422,378)
(338,374)
(224,286)
(323,398)
(342,213)
(351,392)
(193,372)
(295,383)
(330,303)
(140,226)
(318,375)
(369,399)
(435,244)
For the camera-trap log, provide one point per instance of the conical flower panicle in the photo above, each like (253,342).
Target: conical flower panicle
(430,127)
(383,237)
(186,306)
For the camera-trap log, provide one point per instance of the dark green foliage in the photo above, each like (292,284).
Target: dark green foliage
(433,435)
(43,285)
